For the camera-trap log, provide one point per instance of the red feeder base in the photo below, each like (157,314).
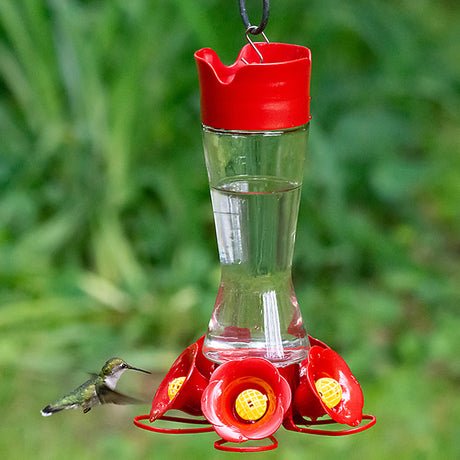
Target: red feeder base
(215,393)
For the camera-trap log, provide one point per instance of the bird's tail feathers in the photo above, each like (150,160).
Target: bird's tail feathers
(50,409)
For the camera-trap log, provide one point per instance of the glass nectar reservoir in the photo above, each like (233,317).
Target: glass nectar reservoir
(255,118)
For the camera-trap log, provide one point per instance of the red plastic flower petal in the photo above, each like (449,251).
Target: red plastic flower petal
(325,367)
(326,363)
(184,384)
(246,399)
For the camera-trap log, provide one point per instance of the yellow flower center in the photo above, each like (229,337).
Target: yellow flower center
(174,386)
(329,390)
(251,405)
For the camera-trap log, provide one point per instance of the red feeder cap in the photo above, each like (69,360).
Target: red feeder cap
(254,96)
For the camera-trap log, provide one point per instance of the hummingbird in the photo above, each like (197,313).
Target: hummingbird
(99,389)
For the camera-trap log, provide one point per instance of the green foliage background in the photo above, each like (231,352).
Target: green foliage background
(107,242)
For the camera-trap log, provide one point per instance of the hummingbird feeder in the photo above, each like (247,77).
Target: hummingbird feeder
(256,369)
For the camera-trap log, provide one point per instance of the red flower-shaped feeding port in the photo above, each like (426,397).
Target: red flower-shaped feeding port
(181,389)
(327,386)
(184,384)
(336,388)
(246,399)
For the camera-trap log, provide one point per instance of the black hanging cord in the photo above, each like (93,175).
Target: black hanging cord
(254,30)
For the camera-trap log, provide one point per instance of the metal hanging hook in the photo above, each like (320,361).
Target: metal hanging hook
(248,31)
(254,30)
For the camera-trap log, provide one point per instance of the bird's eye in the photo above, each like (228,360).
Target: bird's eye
(124,365)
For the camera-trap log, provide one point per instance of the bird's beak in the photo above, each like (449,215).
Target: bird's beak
(137,369)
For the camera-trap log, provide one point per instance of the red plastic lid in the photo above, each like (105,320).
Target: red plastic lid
(254,96)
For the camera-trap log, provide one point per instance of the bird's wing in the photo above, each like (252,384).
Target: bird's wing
(106,395)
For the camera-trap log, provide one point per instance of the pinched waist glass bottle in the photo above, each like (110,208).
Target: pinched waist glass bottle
(255,178)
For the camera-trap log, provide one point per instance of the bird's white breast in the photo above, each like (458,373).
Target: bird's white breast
(112,380)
